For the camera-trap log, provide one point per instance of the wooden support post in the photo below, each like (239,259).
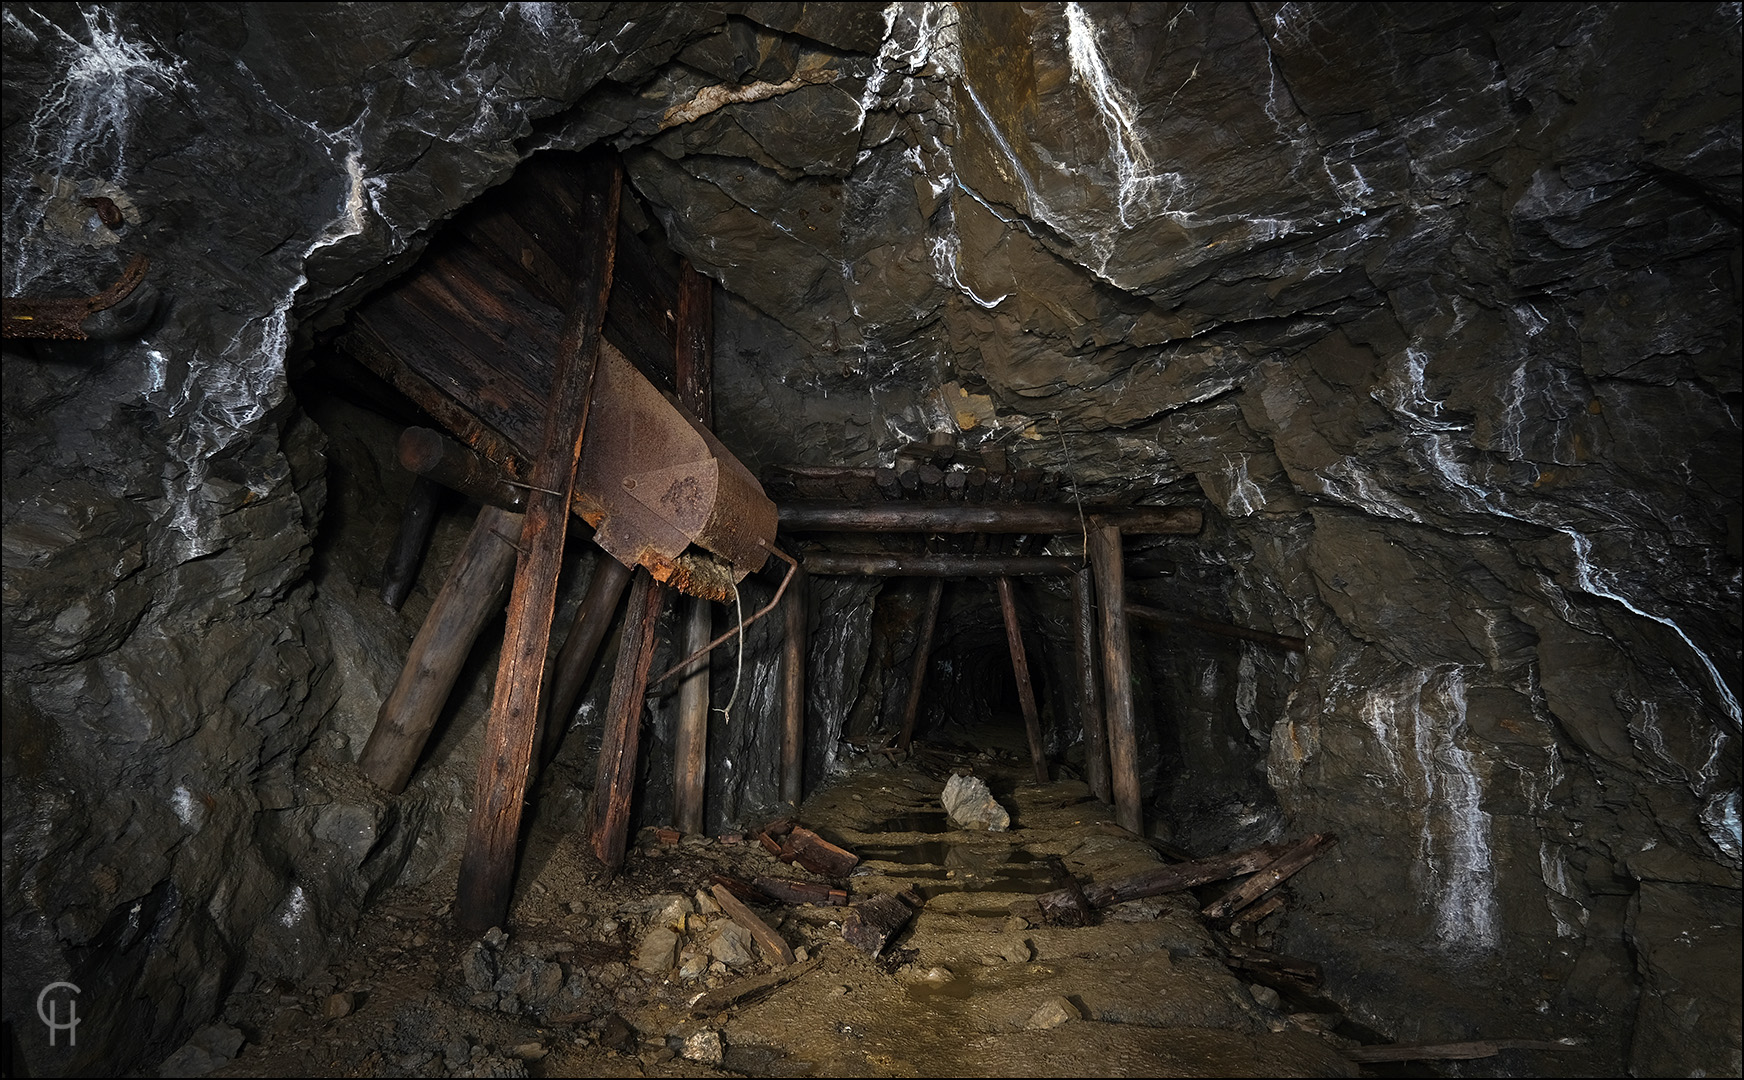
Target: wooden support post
(400,571)
(1089,692)
(1105,558)
(487,867)
(570,670)
(690,752)
(694,365)
(923,651)
(474,591)
(1032,723)
(793,691)
(615,780)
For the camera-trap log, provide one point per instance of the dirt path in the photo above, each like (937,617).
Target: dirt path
(975,985)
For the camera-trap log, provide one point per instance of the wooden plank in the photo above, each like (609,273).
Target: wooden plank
(949,517)
(400,570)
(1084,654)
(923,649)
(1032,723)
(615,779)
(1269,877)
(694,362)
(487,865)
(816,854)
(774,948)
(1105,558)
(800,892)
(793,691)
(474,591)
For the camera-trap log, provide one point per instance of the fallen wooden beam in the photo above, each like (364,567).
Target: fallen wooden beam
(487,866)
(474,591)
(1167,878)
(949,517)
(1460,1051)
(774,948)
(1270,876)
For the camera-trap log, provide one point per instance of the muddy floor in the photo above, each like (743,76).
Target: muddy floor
(643,975)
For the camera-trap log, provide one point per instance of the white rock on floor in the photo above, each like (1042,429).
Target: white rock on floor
(972,806)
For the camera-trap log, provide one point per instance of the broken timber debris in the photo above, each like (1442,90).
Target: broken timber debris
(1269,877)
(745,991)
(776,950)
(1170,877)
(808,849)
(782,890)
(870,925)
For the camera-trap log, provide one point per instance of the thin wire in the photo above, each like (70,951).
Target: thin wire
(726,710)
(1072,472)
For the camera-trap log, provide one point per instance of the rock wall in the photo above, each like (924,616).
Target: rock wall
(1436,306)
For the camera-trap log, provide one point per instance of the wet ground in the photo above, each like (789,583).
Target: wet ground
(642,975)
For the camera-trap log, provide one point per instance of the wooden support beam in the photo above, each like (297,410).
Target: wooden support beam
(1089,689)
(930,565)
(1032,723)
(575,661)
(949,517)
(434,456)
(1270,876)
(487,867)
(694,366)
(615,779)
(923,651)
(474,591)
(400,571)
(1105,558)
(1171,618)
(793,690)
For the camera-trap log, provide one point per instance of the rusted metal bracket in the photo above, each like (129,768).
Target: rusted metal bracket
(61,318)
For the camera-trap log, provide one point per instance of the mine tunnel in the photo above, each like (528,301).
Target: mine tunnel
(872,539)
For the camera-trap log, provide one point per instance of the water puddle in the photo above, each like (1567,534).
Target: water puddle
(940,993)
(934,821)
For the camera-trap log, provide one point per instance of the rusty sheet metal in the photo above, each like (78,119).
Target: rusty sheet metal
(653,482)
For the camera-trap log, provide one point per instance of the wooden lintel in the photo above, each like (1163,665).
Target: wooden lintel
(951,517)
(840,564)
